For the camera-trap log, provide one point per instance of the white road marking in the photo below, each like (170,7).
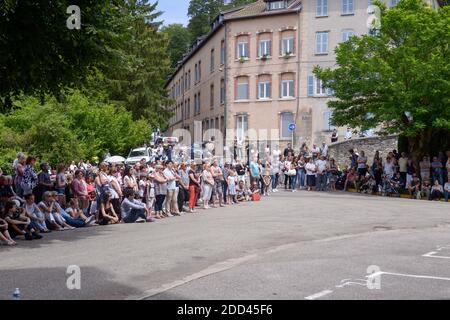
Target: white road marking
(319,295)
(410,276)
(218,267)
(433,255)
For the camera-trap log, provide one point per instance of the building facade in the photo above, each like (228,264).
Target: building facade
(254,71)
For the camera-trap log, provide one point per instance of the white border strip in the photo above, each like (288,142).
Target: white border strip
(319,295)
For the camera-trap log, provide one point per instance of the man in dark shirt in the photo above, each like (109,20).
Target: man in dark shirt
(288,150)
(44,183)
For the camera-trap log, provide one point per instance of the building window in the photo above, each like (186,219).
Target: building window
(322,43)
(346,34)
(222,52)
(199,71)
(287,88)
(241,127)
(188,113)
(197,103)
(287,85)
(189,79)
(347,7)
(222,91)
(212,61)
(322,8)
(242,88)
(264,90)
(287,118)
(327,126)
(316,88)
(211,96)
(264,48)
(242,50)
(320,89)
(276,5)
(196,73)
(287,46)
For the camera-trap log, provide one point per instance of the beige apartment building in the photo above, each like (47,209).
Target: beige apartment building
(254,70)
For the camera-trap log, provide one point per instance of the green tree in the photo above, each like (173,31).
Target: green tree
(178,41)
(78,128)
(39,54)
(203,12)
(398,79)
(136,79)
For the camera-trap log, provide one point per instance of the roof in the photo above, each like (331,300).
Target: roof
(259,8)
(253,10)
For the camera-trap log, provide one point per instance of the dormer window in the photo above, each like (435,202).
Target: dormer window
(276,5)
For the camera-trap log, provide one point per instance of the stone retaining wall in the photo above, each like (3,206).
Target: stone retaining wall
(339,150)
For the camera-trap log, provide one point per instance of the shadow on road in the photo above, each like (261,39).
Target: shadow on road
(51,284)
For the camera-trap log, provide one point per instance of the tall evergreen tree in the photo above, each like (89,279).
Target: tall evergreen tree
(179,41)
(203,12)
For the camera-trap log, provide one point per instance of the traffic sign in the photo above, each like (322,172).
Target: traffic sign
(292,127)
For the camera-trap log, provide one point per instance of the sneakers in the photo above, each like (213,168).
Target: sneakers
(151,219)
(140,220)
(90,220)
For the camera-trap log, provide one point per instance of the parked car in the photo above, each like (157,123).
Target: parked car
(138,154)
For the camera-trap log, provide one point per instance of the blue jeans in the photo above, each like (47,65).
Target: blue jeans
(77,223)
(446,195)
(293,182)
(275,178)
(134,215)
(321,181)
(301,178)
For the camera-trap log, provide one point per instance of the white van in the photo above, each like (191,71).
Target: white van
(138,154)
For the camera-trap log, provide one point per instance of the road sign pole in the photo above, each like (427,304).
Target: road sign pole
(292,140)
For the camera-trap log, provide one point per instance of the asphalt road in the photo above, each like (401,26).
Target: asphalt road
(288,246)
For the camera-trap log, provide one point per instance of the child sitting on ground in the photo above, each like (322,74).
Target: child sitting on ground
(76,213)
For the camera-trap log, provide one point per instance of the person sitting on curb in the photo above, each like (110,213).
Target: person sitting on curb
(132,209)
(242,193)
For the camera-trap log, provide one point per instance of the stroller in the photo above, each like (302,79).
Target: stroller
(389,187)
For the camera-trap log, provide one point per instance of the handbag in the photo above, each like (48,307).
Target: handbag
(256,197)
(292,172)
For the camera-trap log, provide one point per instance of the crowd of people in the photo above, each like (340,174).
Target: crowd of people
(394,174)
(83,195)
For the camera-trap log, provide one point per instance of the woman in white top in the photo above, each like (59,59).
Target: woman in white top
(425,166)
(388,168)
(287,178)
(115,190)
(311,170)
(129,181)
(207,185)
(437,192)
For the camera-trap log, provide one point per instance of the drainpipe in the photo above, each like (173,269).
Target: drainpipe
(225,83)
(295,138)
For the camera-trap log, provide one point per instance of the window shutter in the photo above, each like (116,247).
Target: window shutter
(310,85)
